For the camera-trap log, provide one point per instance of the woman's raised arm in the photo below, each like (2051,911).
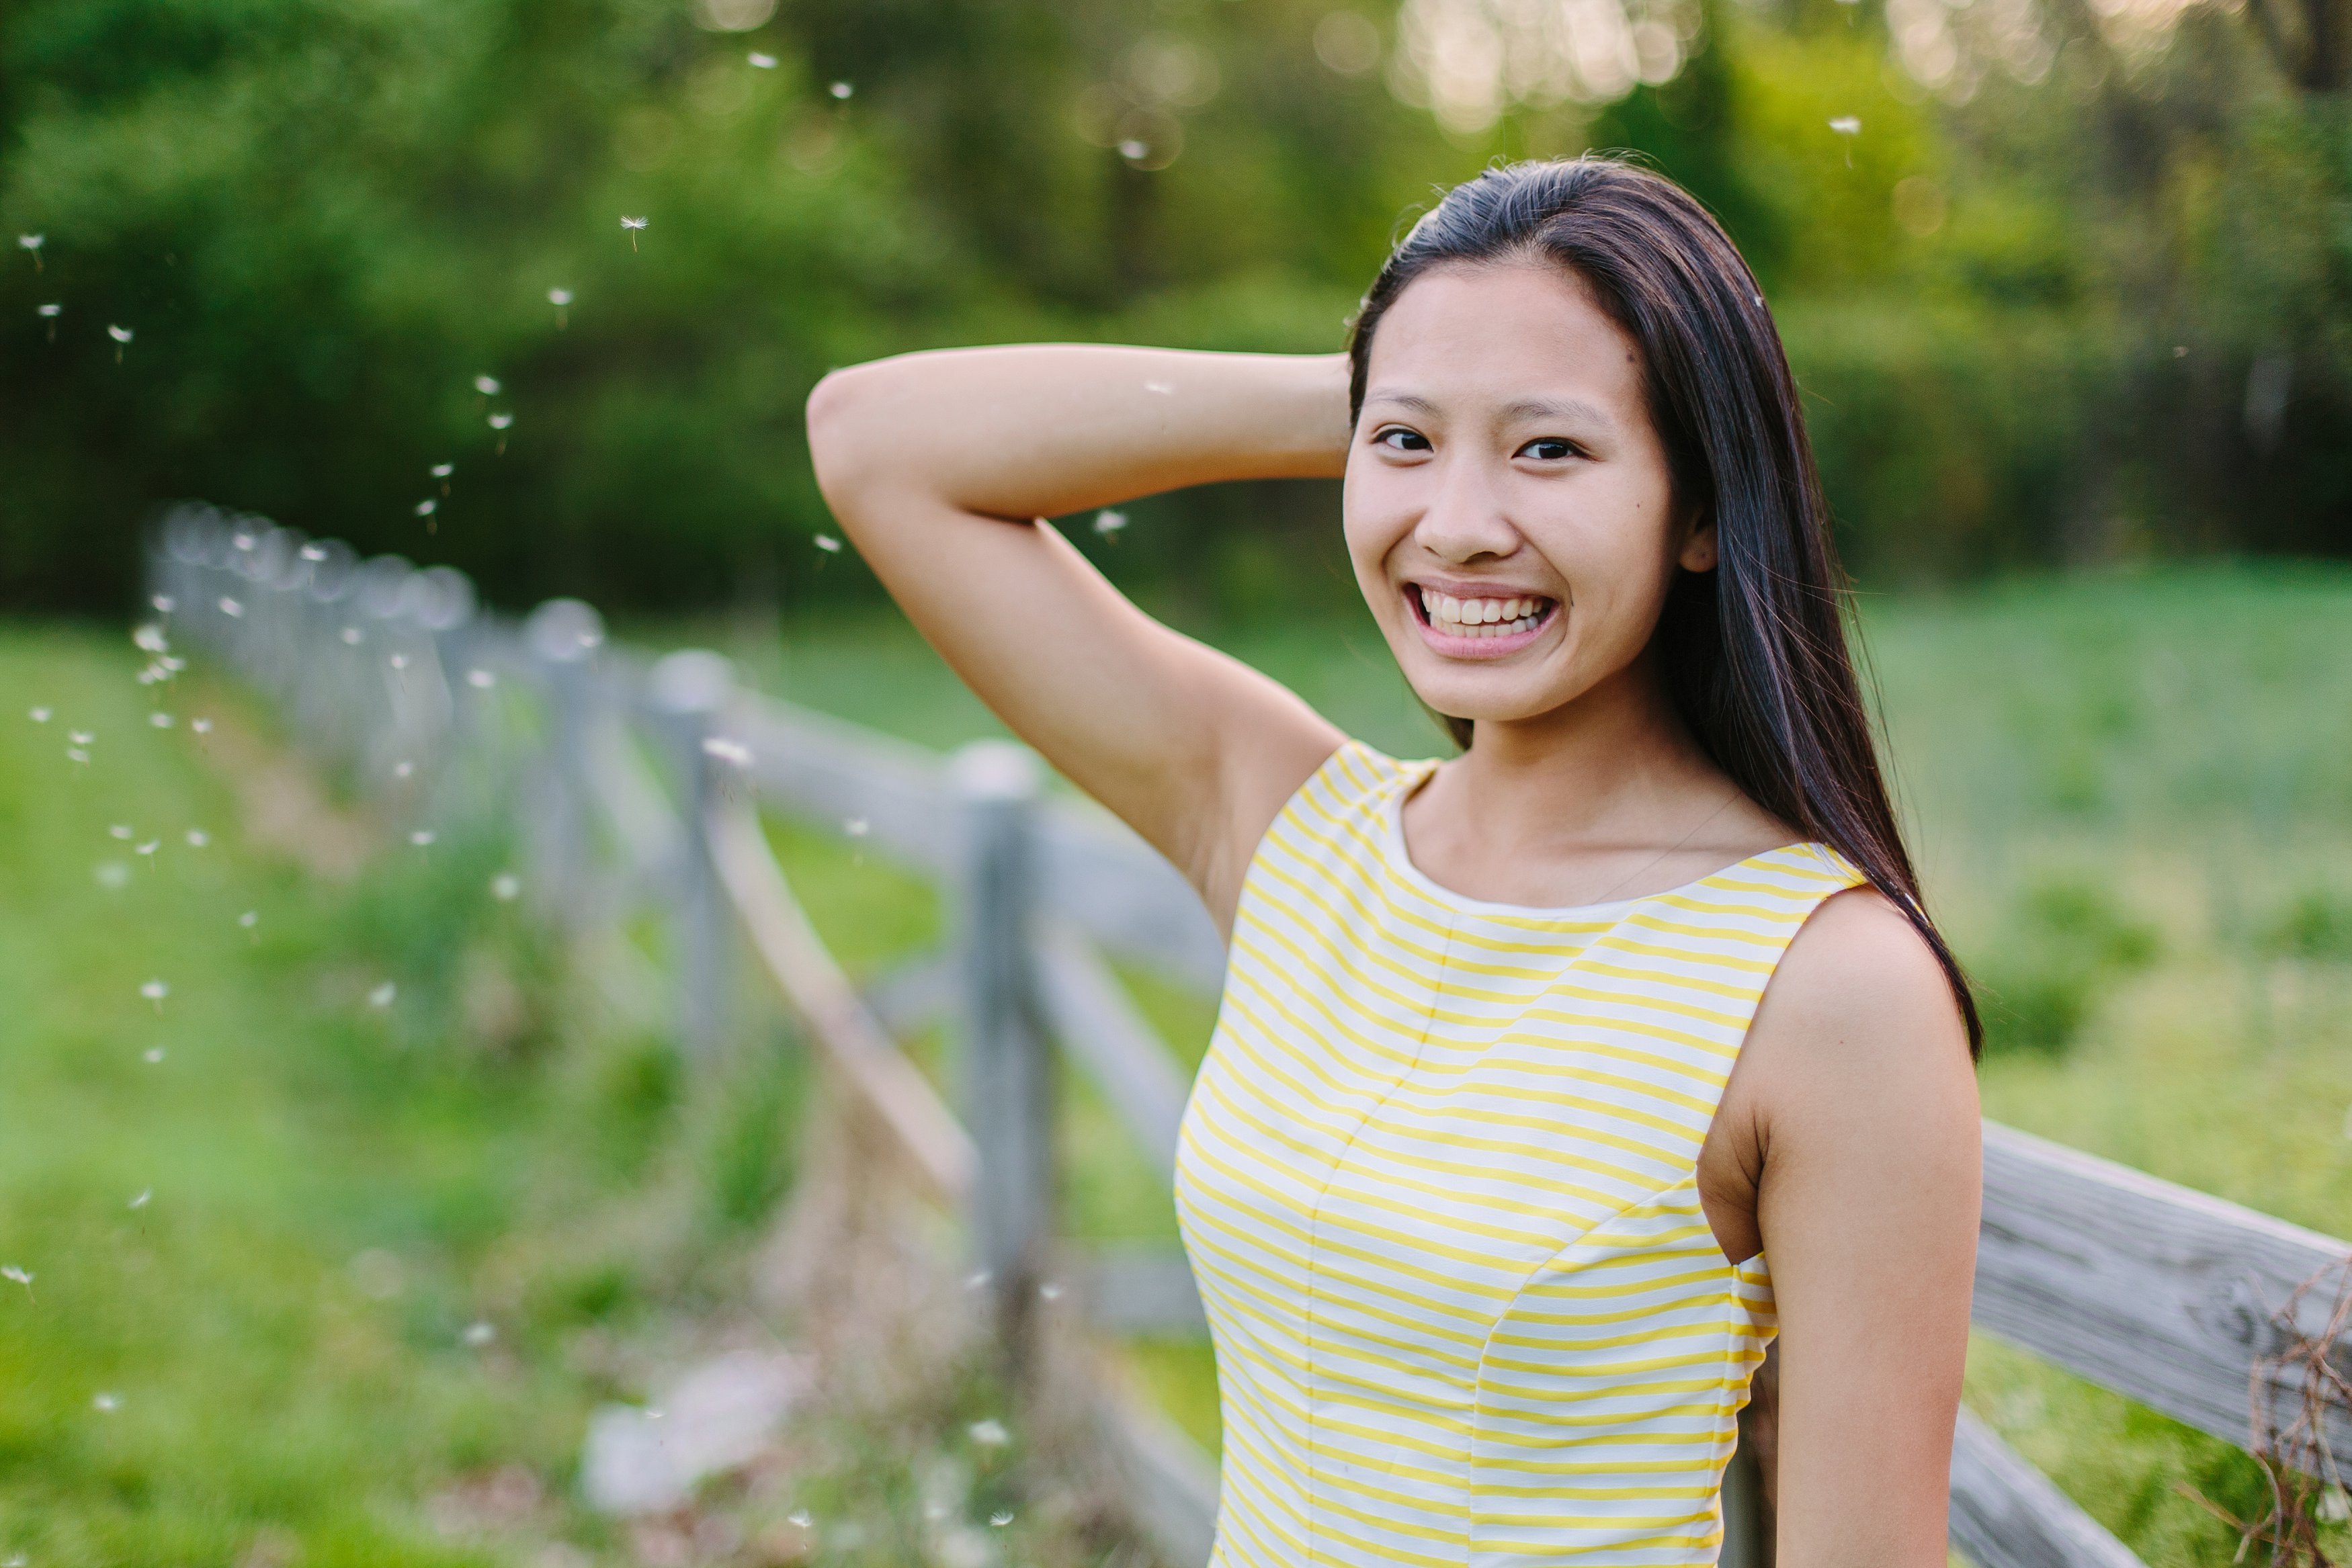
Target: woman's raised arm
(938,466)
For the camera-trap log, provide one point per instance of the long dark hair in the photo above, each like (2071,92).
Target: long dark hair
(1754,652)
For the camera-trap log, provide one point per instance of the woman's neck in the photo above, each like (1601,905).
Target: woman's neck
(1602,798)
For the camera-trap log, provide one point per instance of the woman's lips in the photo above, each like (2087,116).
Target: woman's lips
(1477,626)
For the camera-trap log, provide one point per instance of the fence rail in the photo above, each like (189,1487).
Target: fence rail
(2197,1307)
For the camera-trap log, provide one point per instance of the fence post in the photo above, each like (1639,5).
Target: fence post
(690,689)
(1007,1070)
(563,635)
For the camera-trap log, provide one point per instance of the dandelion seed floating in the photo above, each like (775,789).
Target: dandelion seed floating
(249,919)
(506,887)
(502,422)
(402,770)
(561,299)
(34,243)
(155,991)
(51,313)
(120,831)
(480,1334)
(442,471)
(201,726)
(231,608)
(426,509)
(149,639)
(732,752)
(989,1434)
(761,62)
(480,680)
(841,90)
(77,754)
(1050,1291)
(1134,151)
(1164,389)
(140,1201)
(486,385)
(147,849)
(350,635)
(163,603)
(198,838)
(857,827)
(113,876)
(398,661)
(160,720)
(80,737)
(421,837)
(1848,126)
(38,715)
(1108,523)
(381,996)
(828,544)
(152,1055)
(635,227)
(121,336)
(17,1276)
(1000,1519)
(105,1403)
(312,552)
(799,1519)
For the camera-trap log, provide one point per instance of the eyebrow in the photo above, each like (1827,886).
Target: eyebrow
(1519,409)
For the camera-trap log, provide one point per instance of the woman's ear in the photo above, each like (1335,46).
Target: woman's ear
(1698,547)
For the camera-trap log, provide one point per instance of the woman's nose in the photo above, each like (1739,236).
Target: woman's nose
(1464,520)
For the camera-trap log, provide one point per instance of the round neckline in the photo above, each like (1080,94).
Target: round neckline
(1398,857)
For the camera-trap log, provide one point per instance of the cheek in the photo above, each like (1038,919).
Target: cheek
(1373,521)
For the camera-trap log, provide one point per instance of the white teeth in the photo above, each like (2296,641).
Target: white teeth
(1480,617)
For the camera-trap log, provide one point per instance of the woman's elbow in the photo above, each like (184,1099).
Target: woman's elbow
(835,409)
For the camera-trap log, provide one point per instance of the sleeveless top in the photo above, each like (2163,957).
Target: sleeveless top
(1438,1181)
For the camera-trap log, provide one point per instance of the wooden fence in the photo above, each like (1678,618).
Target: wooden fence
(2198,1308)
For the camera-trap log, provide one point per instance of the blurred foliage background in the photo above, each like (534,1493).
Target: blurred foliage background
(2066,281)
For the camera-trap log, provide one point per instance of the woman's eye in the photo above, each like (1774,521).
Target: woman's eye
(1396,438)
(1547,449)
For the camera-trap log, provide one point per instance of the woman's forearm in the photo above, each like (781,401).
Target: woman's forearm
(1044,430)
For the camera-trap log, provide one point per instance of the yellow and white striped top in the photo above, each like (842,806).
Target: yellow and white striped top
(1438,1182)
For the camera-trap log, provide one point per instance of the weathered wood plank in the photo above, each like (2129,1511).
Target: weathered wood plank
(2006,1514)
(1090,1013)
(1094,872)
(1108,882)
(834,774)
(936,1148)
(2143,1287)
(1138,1290)
(1168,1484)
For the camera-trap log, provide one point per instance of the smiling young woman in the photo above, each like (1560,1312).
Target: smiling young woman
(1531,1059)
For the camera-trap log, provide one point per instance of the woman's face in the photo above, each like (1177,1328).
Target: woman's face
(1509,510)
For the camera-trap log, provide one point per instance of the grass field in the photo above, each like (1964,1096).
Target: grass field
(2133,796)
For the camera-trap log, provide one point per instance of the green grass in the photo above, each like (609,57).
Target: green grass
(336,1192)
(2131,796)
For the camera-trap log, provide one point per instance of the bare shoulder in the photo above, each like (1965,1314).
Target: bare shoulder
(1859,1027)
